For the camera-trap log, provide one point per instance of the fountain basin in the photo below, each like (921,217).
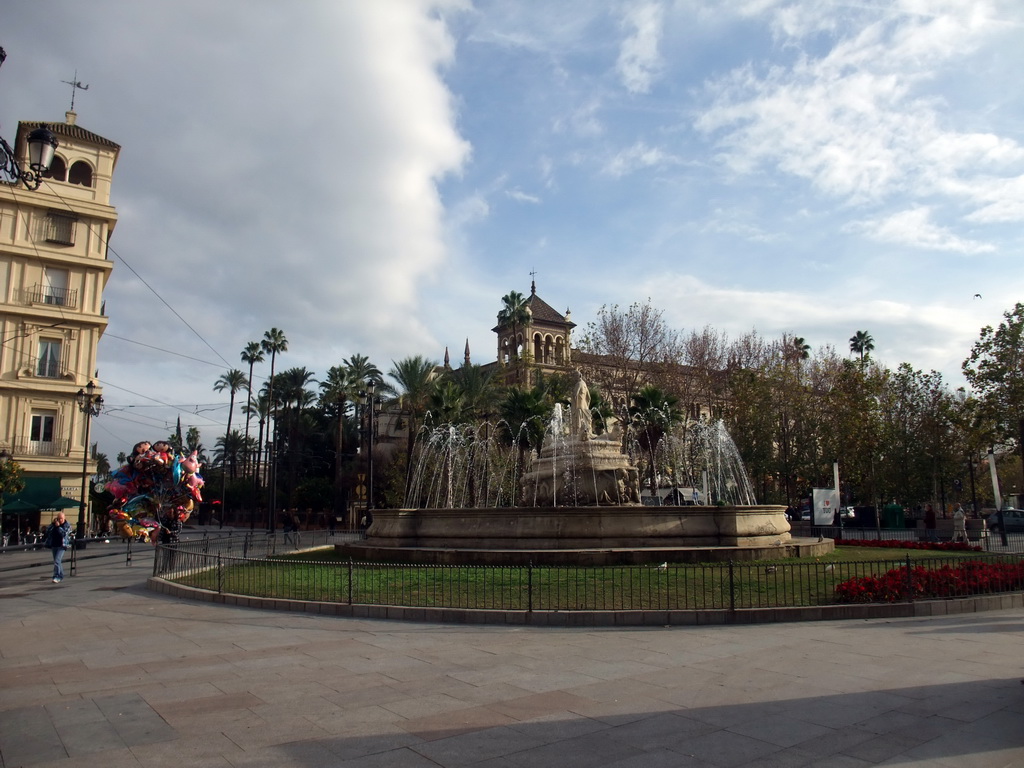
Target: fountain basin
(582,535)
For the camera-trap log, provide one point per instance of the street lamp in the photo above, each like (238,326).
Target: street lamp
(5,457)
(90,405)
(41,146)
(367,398)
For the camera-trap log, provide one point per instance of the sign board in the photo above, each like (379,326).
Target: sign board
(824,503)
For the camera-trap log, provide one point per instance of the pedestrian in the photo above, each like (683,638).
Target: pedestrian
(58,539)
(960,525)
(929,523)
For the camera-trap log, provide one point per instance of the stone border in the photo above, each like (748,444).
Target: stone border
(918,608)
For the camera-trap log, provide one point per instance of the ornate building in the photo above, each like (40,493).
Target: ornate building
(542,343)
(53,269)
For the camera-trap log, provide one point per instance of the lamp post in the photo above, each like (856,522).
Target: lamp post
(89,404)
(5,457)
(41,146)
(371,407)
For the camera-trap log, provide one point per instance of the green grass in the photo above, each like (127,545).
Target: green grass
(332,578)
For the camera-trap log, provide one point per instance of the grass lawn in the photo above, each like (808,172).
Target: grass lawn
(323,575)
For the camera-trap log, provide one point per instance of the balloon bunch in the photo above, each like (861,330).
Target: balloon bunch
(155,489)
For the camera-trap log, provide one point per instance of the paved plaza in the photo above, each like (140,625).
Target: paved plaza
(99,671)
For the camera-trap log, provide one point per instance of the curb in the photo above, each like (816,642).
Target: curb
(665,618)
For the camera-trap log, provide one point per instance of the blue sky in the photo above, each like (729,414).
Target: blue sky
(371,177)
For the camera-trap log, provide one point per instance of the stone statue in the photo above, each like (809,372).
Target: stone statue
(582,420)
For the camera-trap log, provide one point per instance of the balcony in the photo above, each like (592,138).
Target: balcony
(25,448)
(57,297)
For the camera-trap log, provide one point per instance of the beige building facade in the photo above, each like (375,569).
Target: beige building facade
(54,267)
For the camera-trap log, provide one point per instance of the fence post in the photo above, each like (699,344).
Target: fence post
(129,560)
(156,558)
(220,575)
(732,586)
(350,573)
(529,586)
(910,582)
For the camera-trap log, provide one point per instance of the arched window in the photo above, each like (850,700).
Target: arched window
(80,173)
(58,170)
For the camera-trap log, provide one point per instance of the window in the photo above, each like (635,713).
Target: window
(55,288)
(80,173)
(49,359)
(60,228)
(42,427)
(58,170)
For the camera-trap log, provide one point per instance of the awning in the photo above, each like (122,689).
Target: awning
(37,494)
(63,502)
(19,507)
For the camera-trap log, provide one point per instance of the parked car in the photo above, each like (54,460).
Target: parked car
(1012,518)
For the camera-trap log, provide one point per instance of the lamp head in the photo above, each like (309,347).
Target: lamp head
(41,146)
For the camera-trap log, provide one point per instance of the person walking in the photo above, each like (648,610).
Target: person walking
(960,525)
(58,539)
(930,523)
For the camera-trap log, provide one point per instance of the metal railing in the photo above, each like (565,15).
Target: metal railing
(990,541)
(259,570)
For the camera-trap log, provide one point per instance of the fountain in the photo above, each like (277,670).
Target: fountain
(581,500)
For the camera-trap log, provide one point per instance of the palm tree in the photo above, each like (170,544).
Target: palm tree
(447,403)
(274,342)
(413,376)
(479,390)
(652,414)
(515,311)
(252,354)
(524,417)
(861,344)
(361,369)
(234,382)
(229,449)
(795,348)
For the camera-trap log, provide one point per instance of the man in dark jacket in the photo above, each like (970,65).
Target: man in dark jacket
(58,539)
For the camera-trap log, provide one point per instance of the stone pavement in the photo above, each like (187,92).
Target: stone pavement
(98,671)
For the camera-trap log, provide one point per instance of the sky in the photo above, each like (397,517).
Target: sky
(372,177)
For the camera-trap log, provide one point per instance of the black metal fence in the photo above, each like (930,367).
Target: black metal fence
(257,568)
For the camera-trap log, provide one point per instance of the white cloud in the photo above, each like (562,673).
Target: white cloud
(915,228)
(522,197)
(637,157)
(639,61)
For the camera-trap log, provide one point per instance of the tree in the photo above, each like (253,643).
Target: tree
(413,377)
(515,311)
(252,354)
(233,381)
(274,343)
(795,348)
(861,344)
(229,450)
(525,414)
(995,369)
(637,343)
(652,415)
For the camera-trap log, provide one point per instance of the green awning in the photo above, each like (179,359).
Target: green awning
(38,493)
(19,507)
(64,503)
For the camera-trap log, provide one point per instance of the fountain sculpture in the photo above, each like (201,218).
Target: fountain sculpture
(581,500)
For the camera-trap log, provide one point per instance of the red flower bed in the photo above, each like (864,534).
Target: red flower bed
(899,584)
(945,546)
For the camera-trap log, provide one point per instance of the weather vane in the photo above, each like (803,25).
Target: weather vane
(75,85)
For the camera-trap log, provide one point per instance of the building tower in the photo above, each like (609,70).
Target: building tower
(53,269)
(543,342)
